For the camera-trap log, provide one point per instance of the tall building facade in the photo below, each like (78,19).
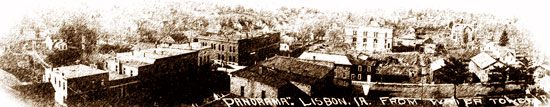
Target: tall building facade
(369,38)
(240,49)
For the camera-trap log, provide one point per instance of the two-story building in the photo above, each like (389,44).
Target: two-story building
(240,49)
(341,63)
(281,76)
(155,61)
(372,38)
(70,82)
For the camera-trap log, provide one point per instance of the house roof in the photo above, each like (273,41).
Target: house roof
(76,71)
(408,36)
(483,60)
(298,67)
(357,61)
(252,74)
(429,41)
(397,70)
(167,39)
(437,64)
(337,59)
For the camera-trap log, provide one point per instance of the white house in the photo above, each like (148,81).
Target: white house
(60,45)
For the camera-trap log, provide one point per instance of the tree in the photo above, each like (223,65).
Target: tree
(61,58)
(503,39)
(454,72)
(79,34)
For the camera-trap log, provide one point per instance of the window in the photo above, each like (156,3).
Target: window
(64,88)
(230,49)
(352,76)
(354,40)
(263,94)
(386,35)
(242,91)
(359,76)
(365,33)
(368,69)
(364,39)
(386,41)
(354,32)
(223,48)
(375,42)
(375,34)
(360,68)
(102,82)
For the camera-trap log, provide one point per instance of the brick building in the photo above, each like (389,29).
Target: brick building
(282,77)
(362,69)
(240,49)
(372,38)
(71,81)
(342,65)
(155,61)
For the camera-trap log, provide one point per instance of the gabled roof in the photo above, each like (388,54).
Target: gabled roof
(483,60)
(337,59)
(363,62)
(252,74)
(167,39)
(438,64)
(397,70)
(298,67)
(429,41)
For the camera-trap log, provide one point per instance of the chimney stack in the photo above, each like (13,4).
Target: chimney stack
(260,70)
(314,58)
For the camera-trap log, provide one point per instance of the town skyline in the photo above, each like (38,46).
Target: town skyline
(154,49)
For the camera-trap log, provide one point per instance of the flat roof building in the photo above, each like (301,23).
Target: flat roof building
(241,49)
(70,81)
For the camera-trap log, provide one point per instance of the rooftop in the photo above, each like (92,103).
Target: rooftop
(134,63)
(296,66)
(76,71)
(156,53)
(397,70)
(250,73)
(337,59)
(233,37)
(483,60)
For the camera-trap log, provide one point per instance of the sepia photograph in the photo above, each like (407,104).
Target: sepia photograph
(269,53)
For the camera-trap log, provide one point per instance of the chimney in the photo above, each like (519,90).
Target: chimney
(144,54)
(260,70)
(314,58)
